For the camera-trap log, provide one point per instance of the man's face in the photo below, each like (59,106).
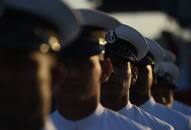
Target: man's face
(119,81)
(25,87)
(163,94)
(80,79)
(145,79)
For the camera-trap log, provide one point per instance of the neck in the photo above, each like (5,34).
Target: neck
(116,104)
(149,94)
(76,110)
(139,98)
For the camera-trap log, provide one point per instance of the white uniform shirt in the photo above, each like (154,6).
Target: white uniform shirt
(181,107)
(176,119)
(134,113)
(49,125)
(101,119)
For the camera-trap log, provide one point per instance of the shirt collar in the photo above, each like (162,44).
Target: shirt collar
(127,107)
(94,116)
(150,102)
(83,123)
(49,125)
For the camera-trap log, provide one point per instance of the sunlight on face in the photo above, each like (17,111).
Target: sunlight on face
(149,75)
(119,82)
(25,87)
(80,78)
(45,64)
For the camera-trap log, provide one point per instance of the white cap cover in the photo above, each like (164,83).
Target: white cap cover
(155,50)
(53,10)
(169,56)
(167,68)
(132,36)
(97,18)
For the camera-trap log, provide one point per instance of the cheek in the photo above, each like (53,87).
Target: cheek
(129,72)
(129,68)
(96,73)
(45,87)
(150,76)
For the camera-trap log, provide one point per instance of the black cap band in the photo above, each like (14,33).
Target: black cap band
(147,60)
(121,48)
(82,48)
(85,46)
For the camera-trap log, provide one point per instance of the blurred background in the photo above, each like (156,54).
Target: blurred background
(166,21)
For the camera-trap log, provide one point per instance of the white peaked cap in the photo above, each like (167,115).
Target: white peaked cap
(95,18)
(55,11)
(169,56)
(133,37)
(169,68)
(155,50)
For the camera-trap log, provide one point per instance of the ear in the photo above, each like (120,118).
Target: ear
(134,73)
(106,70)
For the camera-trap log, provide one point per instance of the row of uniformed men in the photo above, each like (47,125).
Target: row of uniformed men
(91,59)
